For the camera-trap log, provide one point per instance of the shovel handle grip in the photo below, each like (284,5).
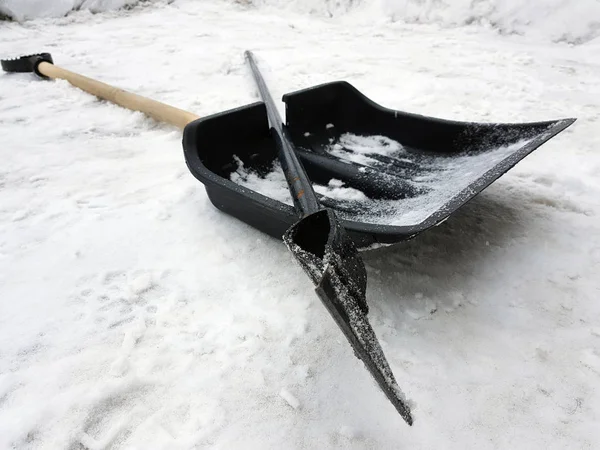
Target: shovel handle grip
(157,110)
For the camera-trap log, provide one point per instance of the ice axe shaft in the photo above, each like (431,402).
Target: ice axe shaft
(305,199)
(42,65)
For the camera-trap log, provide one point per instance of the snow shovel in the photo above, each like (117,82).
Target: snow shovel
(330,258)
(420,171)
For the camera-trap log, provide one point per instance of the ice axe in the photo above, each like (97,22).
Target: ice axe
(330,258)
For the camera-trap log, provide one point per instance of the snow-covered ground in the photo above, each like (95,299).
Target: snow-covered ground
(133,314)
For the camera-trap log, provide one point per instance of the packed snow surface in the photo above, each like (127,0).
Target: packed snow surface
(134,314)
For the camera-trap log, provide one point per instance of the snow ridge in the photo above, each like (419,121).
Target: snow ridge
(573,22)
(22,10)
(569,21)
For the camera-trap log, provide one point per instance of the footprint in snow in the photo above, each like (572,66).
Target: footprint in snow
(113,416)
(132,337)
(118,297)
(590,358)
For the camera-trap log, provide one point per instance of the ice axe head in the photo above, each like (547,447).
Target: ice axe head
(330,258)
(318,241)
(28,63)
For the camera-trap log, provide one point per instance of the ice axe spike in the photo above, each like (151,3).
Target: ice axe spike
(330,258)
(43,65)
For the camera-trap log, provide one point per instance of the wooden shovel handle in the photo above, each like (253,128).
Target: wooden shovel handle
(157,110)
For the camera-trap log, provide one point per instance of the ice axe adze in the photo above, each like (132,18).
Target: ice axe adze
(317,240)
(330,258)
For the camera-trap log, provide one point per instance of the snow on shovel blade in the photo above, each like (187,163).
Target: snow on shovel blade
(332,262)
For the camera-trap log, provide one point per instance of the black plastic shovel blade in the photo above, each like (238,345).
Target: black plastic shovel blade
(425,170)
(331,260)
